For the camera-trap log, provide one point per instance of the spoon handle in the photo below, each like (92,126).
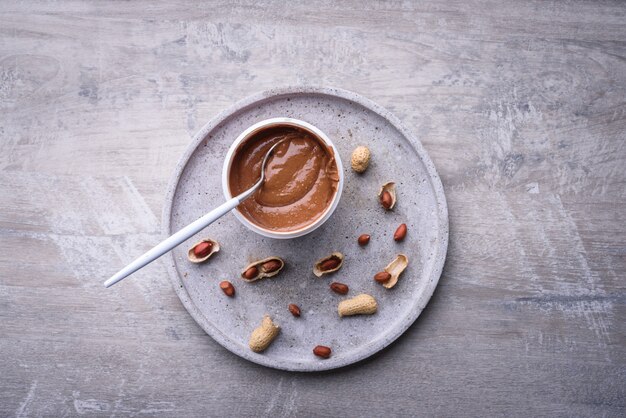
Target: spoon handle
(176,239)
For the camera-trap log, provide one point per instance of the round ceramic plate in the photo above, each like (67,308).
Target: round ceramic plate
(349,120)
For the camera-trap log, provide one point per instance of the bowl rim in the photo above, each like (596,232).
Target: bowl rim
(254,129)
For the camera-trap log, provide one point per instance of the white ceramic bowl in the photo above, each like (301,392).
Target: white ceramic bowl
(282,122)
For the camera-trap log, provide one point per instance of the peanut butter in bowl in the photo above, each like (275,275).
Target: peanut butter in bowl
(302,178)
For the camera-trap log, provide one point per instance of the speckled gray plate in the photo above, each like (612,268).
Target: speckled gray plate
(349,120)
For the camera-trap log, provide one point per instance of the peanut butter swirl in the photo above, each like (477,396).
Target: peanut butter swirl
(301,178)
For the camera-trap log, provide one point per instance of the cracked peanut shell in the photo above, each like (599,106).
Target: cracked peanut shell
(388,202)
(328,264)
(213,247)
(268,267)
(395,269)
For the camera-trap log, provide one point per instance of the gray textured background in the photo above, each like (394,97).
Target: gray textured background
(521,105)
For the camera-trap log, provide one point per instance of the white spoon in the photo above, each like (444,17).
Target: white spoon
(191,229)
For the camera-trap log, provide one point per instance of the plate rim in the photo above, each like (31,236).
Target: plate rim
(433,277)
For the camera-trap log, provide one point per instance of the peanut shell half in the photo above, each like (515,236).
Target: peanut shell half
(319,270)
(268,267)
(389,187)
(395,269)
(215,247)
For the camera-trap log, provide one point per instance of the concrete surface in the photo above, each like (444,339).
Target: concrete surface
(520,105)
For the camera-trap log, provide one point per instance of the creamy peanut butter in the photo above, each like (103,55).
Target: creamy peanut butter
(301,178)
